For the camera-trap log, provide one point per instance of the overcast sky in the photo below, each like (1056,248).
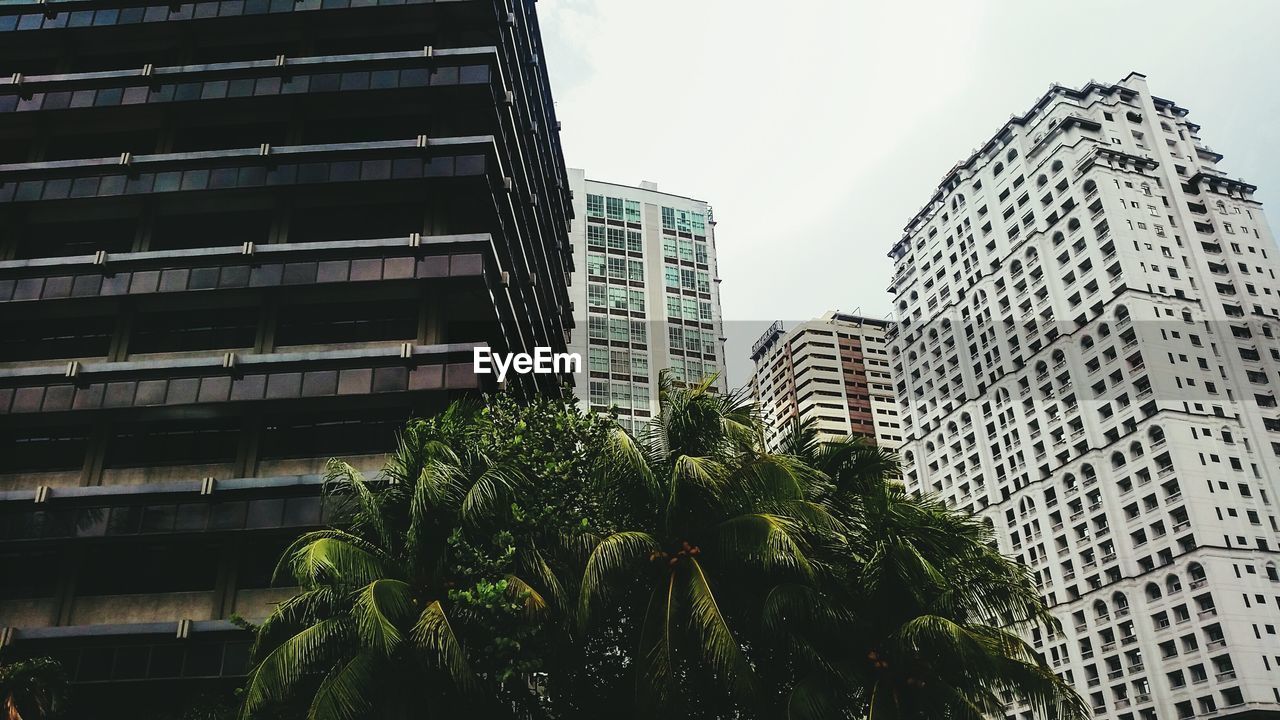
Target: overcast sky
(817,128)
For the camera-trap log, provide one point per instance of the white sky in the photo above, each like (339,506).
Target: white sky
(817,128)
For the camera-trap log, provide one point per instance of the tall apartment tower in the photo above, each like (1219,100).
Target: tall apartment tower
(1087,352)
(833,371)
(238,238)
(647,295)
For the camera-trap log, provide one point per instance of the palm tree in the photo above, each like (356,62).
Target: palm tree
(32,689)
(925,618)
(720,522)
(389,602)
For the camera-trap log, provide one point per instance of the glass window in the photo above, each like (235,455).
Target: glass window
(675,337)
(686,250)
(618,329)
(677,369)
(635,270)
(595,206)
(704,311)
(639,333)
(595,264)
(673,306)
(699,223)
(617,238)
(637,300)
(618,268)
(688,279)
(639,363)
(633,211)
(683,223)
(668,247)
(620,361)
(704,282)
(634,242)
(595,295)
(620,394)
(599,392)
(690,309)
(668,218)
(672,276)
(597,327)
(700,252)
(618,298)
(640,397)
(598,359)
(613,208)
(595,236)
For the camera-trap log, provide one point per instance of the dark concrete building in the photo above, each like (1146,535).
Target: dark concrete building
(238,238)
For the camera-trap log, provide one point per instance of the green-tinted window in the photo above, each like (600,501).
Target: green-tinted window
(704,311)
(617,268)
(595,295)
(595,264)
(617,239)
(620,395)
(635,270)
(633,211)
(639,332)
(620,361)
(637,300)
(597,327)
(700,252)
(595,206)
(640,364)
(686,250)
(595,236)
(599,392)
(613,208)
(668,247)
(689,307)
(634,242)
(673,306)
(677,368)
(668,218)
(619,330)
(672,276)
(688,279)
(704,282)
(640,397)
(682,221)
(699,224)
(598,359)
(618,298)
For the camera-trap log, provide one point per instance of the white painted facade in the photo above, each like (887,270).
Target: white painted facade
(833,371)
(1086,354)
(646,295)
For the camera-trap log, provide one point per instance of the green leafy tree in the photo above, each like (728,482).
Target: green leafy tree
(717,523)
(425,600)
(32,689)
(920,615)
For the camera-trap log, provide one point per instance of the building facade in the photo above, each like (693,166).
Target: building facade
(236,239)
(1087,353)
(833,372)
(646,296)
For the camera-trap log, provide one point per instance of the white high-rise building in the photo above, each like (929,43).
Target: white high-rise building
(1087,354)
(646,294)
(833,372)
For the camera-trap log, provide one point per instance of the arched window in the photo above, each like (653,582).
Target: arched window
(1117,459)
(1058,238)
(1172,584)
(1272,574)
(1056,167)
(1156,434)
(999,168)
(1090,186)
(1153,591)
(1086,341)
(1042,180)
(1135,449)
(1100,611)
(1120,602)
(1088,473)
(1195,572)
(1073,225)
(1013,153)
